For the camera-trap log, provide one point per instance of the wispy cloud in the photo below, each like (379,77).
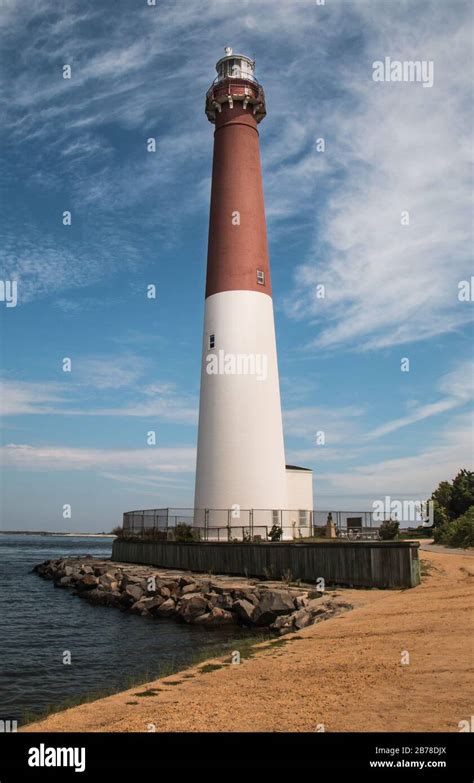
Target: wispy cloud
(53,458)
(458,388)
(414,474)
(395,147)
(92,387)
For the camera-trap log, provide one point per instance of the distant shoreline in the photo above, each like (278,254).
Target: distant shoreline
(49,533)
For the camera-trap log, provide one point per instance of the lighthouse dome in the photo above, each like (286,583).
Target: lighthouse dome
(235,66)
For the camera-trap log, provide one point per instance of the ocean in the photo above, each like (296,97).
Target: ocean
(39,622)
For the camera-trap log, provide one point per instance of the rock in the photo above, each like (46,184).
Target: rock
(285,620)
(283,624)
(191,606)
(134,591)
(216,588)
(271,605)
(151,604)
(65,581)
(312,594)
(139,607)
(130,579)
(164,591)
(102,597)
(301,601)
(314,604)
(87,582)
(108,582)
(68,570)
(100,569)
(167,607)
(215,617)
(173,587)
(301,618)
(246,595)
(244,610)
(224,601)
(212,598)
(190,587)
(183,581)
(86,569)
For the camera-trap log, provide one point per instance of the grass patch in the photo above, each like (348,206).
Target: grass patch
(211,667)
(149,692)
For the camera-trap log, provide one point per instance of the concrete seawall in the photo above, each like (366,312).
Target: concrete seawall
(360,564)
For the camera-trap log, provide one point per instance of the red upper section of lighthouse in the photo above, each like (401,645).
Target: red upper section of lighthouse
(238,248)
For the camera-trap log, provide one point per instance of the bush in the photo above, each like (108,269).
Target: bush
(152,534)
(183,533)
(388,530)
(118,531)
(275,533)
(458,533)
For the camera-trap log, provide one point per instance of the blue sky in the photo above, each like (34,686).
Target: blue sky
(141,218)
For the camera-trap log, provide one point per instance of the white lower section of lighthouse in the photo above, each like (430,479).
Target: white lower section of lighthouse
(240,456)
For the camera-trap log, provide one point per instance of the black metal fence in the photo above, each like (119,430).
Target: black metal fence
(248,524)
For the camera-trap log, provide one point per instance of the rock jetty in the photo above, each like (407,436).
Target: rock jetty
(192,598)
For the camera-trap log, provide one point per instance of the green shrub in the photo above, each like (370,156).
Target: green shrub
(153,534)
(183,533)
(458,533)
(388,530)
(275,533)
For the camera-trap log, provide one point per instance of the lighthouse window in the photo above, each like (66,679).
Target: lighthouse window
(260,277)
(212,341)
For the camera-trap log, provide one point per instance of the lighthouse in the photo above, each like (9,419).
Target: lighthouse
(241,476)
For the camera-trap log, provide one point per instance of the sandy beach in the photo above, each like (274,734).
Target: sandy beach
(344,674)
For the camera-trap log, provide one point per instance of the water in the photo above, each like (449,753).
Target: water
(38,622)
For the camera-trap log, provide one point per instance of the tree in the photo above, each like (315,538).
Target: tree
(441,498)
(451,499)
(440,514)
(462,493)
(459,532)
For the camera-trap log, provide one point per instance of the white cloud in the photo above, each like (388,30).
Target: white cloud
(110,372)
(20,397)
(104,376)
(398,147)
(413,475)
(152,459)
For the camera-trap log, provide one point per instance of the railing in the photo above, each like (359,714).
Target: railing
(248,524)
(242,78)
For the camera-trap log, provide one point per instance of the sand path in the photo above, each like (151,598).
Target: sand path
(344,673)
